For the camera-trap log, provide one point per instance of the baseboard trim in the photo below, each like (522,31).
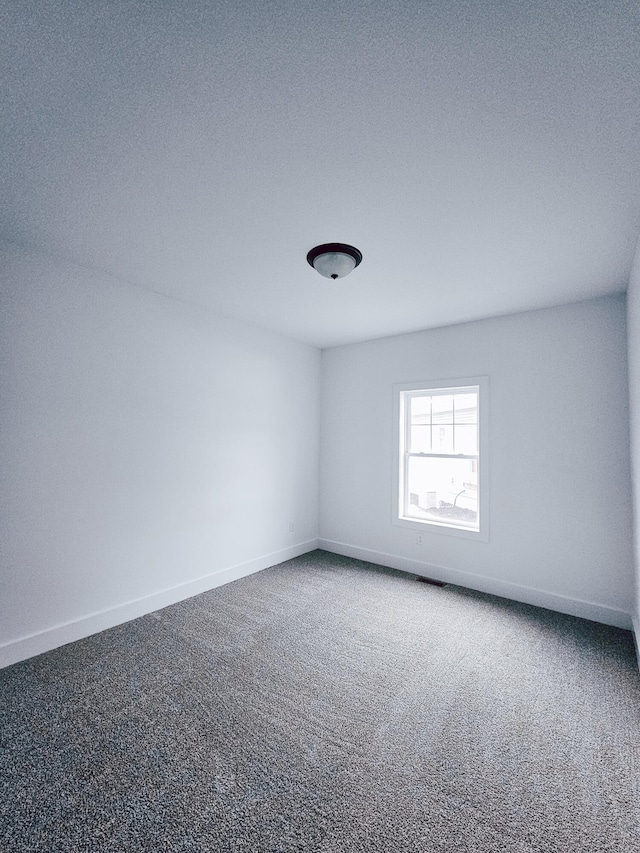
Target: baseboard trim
(635,630)
(504,589)
(68,632)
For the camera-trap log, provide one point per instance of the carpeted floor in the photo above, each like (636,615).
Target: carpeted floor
(327,705)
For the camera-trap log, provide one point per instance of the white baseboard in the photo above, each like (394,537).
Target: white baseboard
(58,635)
(635,630)
(504,589)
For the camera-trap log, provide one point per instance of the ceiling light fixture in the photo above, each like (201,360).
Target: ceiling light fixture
(334,260)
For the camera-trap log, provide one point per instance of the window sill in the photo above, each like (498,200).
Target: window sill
(420,526)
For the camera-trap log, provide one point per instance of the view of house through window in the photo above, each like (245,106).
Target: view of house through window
(439,456)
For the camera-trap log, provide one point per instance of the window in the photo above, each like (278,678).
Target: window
(440,480)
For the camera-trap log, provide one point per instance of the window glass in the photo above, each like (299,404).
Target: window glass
(420,409)
(466,408)
(466,439)
(442,438)
(421,439)
(442,407)
(444,490)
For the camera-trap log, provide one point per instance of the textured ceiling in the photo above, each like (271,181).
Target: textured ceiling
(483,156)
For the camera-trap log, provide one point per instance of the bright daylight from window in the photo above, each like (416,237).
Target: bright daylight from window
(439,457)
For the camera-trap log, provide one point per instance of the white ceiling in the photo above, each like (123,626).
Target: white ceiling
(484,156)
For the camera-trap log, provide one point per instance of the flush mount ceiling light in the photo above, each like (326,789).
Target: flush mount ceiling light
(334,260)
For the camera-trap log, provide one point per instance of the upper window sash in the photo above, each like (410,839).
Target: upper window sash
(451,429)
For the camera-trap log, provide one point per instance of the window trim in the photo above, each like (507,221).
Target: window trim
(399,433)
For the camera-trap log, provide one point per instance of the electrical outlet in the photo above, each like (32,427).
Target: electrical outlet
(420,538)
(292,527)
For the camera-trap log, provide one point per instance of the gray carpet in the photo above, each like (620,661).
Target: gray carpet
(327,705)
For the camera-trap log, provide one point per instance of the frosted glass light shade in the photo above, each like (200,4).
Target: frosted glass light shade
(334,264)
(334,260)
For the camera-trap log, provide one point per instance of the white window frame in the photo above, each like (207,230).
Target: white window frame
(401,393)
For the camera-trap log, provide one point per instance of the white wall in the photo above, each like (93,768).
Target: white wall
(150,451)
(633,336)
(560,493)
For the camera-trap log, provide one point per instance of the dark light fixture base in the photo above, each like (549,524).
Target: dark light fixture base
(334,248)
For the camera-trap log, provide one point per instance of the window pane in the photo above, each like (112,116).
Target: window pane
(466,439)
(442,405)
(466,408)
(442,490)
(420,439)
(420,410)
(442,438)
